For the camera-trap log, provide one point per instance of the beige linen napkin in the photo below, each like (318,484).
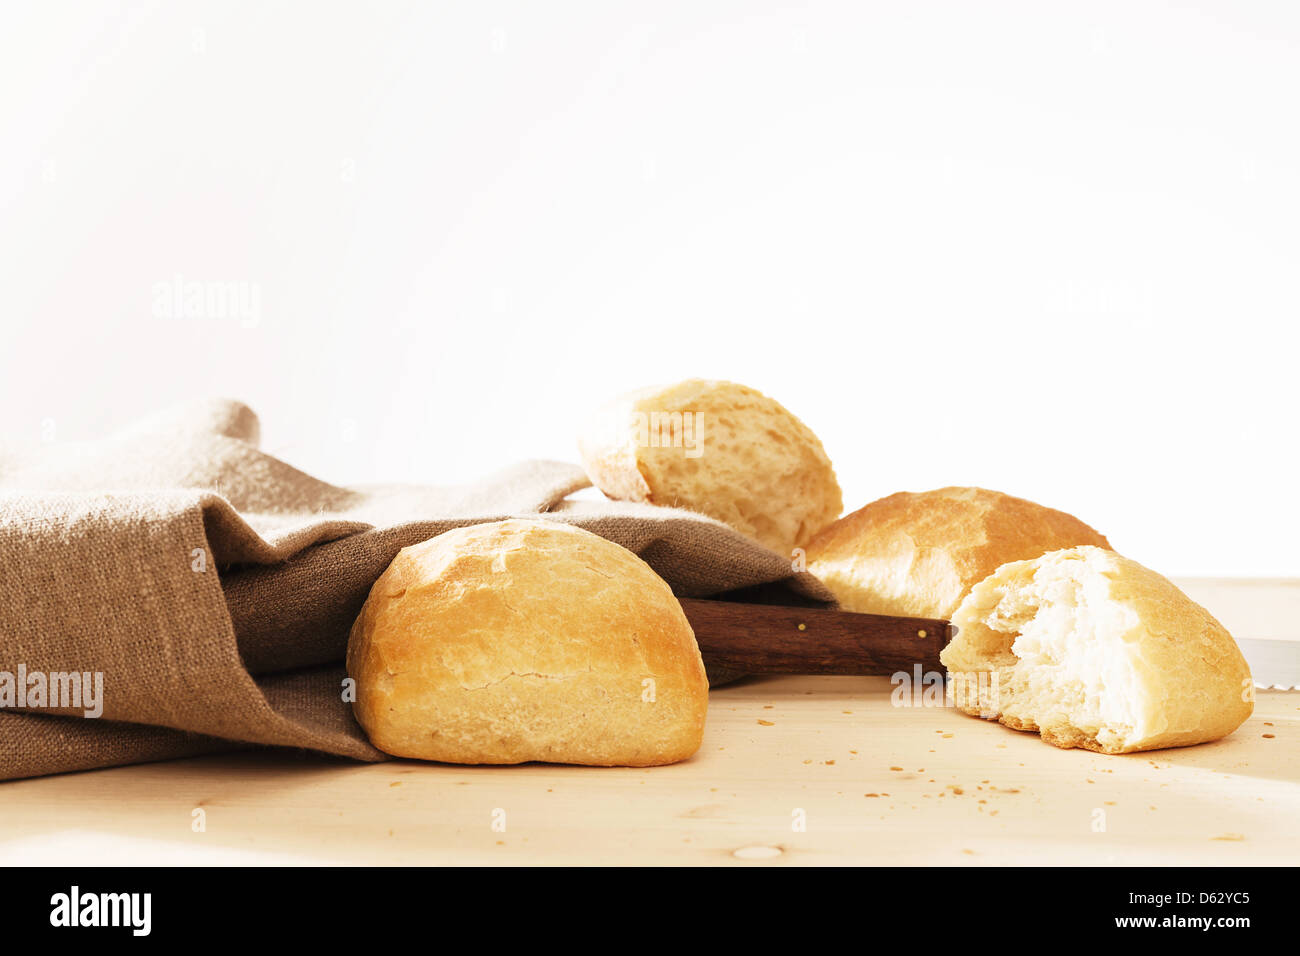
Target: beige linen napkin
(213,586)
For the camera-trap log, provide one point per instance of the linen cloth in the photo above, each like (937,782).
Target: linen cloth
(214,586)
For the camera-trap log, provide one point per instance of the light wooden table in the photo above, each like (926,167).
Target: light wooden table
(800,770)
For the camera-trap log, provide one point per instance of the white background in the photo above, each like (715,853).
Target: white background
(1049,248)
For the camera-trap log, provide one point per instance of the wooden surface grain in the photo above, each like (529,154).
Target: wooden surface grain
(871,783)
(793,770)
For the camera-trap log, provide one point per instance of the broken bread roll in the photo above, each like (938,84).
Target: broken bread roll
(525,640)
(722,449)
(1093,650)
(917,554)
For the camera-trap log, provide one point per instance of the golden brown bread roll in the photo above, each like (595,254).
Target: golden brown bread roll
(919,554)
(722,449)
(526,640)
(1093,650)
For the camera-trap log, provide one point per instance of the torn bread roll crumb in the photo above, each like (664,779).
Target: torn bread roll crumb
(722,449)
(1093,650)
(526,640)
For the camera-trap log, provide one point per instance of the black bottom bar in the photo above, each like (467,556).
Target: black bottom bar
(916,904)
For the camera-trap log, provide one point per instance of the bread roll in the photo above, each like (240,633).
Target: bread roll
(526,640)
(724,450)
(1093,650)
(919,554)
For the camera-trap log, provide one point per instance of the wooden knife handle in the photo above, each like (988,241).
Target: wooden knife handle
(773,639)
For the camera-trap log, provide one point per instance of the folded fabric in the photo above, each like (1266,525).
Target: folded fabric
(213,586)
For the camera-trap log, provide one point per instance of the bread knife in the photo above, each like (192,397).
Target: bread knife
(1272,663)
(775,639)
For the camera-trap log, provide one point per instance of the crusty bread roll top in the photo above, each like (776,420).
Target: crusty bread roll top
(918,554)
(526,640)
(722,449)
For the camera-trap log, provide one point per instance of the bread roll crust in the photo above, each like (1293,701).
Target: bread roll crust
(526,640)
(757,467)
(1157,669)
(919,553)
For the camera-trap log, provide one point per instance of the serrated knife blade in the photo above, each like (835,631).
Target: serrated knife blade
(1272,663)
